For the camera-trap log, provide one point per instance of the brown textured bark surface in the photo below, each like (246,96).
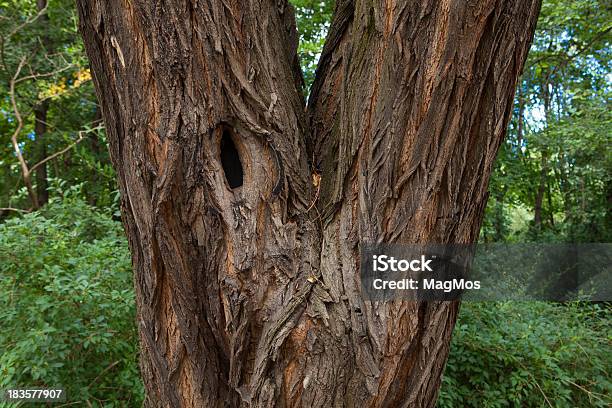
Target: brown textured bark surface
(249,296)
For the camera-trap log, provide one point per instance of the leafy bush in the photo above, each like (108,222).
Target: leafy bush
(67,305)
(529,354)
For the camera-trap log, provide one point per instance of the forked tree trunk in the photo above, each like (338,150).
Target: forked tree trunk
(246,268)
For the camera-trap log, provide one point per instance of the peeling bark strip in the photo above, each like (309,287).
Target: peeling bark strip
(247,293)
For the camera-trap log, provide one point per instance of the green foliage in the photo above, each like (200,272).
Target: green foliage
(55,74)
(313,18)
(529,354)
(558,141)
(579,144)
(67,304)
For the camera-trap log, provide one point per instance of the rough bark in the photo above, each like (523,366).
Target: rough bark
(410,105)
(249,296)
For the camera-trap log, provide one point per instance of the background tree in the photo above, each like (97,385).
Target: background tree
(552,176)
(246,270)
(49,105)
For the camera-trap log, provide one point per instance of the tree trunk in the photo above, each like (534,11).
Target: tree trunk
(499,219)
(520,129)
(40,129)
(539,197)
(246,267)
(96,150)
(40,117)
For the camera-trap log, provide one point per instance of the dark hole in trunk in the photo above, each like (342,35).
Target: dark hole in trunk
(230,160)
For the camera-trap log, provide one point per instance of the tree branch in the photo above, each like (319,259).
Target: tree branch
(14,209)
(16,30)
(54,155)
(44,75)
(27,22)
(24,166)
